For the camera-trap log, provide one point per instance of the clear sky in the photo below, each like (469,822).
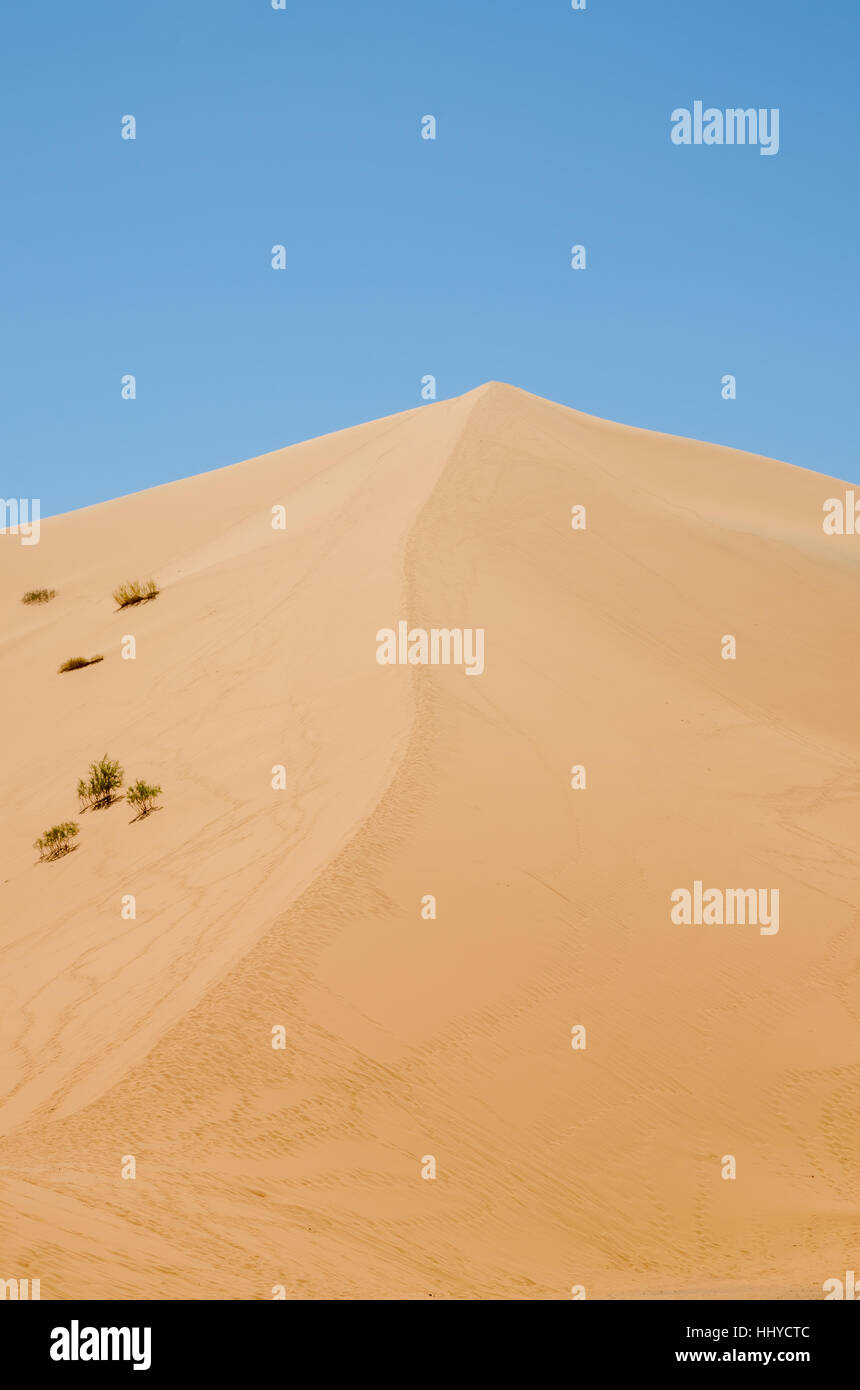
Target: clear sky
(405,256)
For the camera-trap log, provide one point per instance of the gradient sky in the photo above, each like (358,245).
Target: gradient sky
(405,256)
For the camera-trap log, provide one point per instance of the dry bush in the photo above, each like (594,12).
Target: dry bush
(133,591)
(75,663)
(98,789)
(142,797)
(56,841)
(39,595)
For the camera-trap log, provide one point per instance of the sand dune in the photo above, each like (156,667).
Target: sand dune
(302,907)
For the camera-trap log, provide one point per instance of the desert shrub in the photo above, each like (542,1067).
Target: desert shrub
(142,796)
(98,789)
(57,840)
(75,663)
(135,592)
(39,596)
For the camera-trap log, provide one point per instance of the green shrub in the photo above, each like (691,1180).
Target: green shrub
(98,789)
(39,596)
(142,797)
(135,592)
(56,841)
(75,663)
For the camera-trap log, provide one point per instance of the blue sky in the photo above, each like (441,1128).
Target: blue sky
(404,256)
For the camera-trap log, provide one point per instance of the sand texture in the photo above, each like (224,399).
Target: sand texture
(409,1037)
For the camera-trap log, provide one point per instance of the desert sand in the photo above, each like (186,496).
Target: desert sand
(406,1036)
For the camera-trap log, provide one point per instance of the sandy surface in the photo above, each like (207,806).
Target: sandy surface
(301,907)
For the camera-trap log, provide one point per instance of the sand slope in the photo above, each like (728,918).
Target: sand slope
(406,1037)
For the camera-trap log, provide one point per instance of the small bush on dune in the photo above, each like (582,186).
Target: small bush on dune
(142,797)
(98,789)
(75,663)
(104,780)
(135,592)
(57,840)
(39,596)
